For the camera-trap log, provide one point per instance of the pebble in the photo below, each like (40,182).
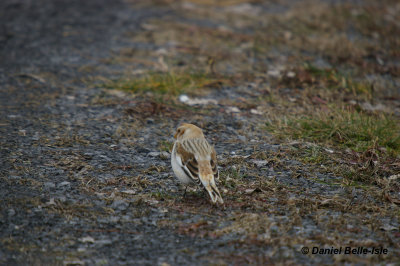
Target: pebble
(73,262)
(291,74)
(114,219)
(11,212)
(104,242)
(273,73)
(62,199)
(87,239)
(129,191)
(183,98)
(256,112)
(164,154)
(119,205)
(49,185)
(64,184)
(260,163)
(232,109)
(153,154)
(242,138)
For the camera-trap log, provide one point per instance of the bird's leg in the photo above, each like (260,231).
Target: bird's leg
(184,192)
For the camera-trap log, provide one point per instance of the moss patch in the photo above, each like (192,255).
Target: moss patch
(343,128)
(169,83)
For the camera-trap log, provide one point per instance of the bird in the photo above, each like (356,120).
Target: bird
(194,160)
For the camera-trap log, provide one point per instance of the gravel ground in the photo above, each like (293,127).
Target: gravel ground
(85,172)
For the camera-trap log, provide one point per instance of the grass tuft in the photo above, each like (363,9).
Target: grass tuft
(167,83)
(343,128)
(334,80)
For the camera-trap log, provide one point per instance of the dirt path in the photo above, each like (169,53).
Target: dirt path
(85,172)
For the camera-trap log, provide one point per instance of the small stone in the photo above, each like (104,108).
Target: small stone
(291,201)
(126,218)
(88,155)
(62,199)
(64,184)
(114,219)
(73,262)
(104,242)
(82,249)
(287,35)
(274,228)
(51,202)
(369,107)
(252,190)
(105,262)
(87,239)
(200,101)
(129,191)
(49,185)
(260,163)
(290,74)
(394,177)
(163,210)
(36,136)
(153,154)
(183,98)
(326,202)
(273,73)
(119,205)
(388,227)
(255,112)
(242,138)
(164,154)
(11,212)
(232,109)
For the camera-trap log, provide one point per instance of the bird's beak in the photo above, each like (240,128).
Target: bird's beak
(176,135)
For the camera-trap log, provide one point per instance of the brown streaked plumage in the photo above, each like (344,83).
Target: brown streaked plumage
(193,159)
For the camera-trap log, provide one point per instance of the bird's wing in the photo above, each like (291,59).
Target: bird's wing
(188,162)
(213,163)
(200,171)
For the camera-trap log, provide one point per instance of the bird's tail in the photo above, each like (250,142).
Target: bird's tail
(212,190)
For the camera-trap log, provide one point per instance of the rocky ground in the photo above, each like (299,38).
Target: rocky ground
(91,92)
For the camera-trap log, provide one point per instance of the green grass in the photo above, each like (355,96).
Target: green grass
(165,145)
(170,83)
(334,80)
(343,128)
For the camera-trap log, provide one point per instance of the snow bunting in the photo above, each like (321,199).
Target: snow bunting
(193,159)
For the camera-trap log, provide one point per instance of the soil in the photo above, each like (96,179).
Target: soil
(85,170)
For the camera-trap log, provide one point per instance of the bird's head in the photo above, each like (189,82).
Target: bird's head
(188,131)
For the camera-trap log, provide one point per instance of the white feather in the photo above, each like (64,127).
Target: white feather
(177,165)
